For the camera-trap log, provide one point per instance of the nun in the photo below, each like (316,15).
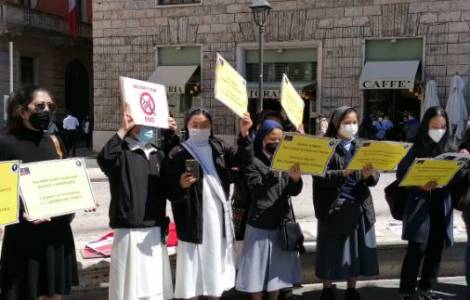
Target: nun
(140,267)
(265,266)
(346,242)
(199,197)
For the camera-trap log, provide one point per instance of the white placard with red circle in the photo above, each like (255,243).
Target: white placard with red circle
(147,102)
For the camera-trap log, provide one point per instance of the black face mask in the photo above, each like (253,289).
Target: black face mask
(40,120)
(271,148)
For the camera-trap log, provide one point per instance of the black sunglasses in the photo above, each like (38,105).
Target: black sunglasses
(40,107)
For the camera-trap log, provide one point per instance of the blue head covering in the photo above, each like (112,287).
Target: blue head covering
(266,128)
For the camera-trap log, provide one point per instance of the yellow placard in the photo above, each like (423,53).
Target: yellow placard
(291,102)
(55,187)
(9,195)
(230,87)
(312,153)
(384,156)
(425,170)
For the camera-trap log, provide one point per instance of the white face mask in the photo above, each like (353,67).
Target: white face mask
(199,135)
(348,131)
(436,134)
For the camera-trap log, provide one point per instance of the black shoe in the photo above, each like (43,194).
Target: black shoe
(328,294)
(352,294)
(428,295)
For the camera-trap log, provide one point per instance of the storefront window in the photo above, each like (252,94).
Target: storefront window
(304,71)
(299,65)
(392,84)
(179,69)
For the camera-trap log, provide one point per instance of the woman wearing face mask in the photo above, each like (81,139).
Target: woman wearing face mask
(346,243)
(205,254)
(427,221)
(140,268)
(38,257)
(264,266)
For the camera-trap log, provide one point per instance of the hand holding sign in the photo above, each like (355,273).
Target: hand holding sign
(245,124)
(146,102)
(127,122)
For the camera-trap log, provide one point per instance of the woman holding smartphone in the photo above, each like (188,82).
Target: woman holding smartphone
(205,254)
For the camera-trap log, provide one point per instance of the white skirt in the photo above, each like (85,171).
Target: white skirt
(203,270)
(206,269)
(140,267)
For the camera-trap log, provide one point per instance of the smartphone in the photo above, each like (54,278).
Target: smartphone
(192,166)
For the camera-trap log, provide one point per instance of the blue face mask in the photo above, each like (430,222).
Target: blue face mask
(146,135)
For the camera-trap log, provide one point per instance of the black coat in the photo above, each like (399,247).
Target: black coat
(187,203)
(420,204)
(326,193)
(138,196)
(270,195)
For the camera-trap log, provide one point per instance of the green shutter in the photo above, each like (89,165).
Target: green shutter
(171,56)
(284,56)
(402,49)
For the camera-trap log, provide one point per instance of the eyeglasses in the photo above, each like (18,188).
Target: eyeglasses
(39,107)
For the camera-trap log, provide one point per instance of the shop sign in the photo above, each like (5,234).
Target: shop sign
(384,84)
(267,94)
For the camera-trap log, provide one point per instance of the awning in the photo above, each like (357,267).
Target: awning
(396,75)
(174,78)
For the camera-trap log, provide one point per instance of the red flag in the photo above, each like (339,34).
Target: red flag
(73,18)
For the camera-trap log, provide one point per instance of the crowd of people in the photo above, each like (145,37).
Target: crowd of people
(194,174)
(72,132)
(379,126)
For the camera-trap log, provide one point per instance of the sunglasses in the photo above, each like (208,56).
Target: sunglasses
(40,107)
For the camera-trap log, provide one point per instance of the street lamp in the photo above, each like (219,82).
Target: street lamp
(261,10)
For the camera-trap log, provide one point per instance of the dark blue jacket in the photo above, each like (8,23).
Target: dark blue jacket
(417,220)
(343,219)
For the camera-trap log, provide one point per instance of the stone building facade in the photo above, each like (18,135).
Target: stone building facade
(45,54)
(342,36)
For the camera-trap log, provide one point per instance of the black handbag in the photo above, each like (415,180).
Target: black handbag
(241,203)
(395,195)
(460,194)
(292,238)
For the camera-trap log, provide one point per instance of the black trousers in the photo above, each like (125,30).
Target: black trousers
(71,139)
(427,256)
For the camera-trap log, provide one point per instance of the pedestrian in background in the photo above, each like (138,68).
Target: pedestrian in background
(410,128)
(383,126)
(346,241)
(265,266)
(53,129)
(140,267)
(428,217)
(71,126)
(86,129)
(198,175)
(323,126)
(38,257)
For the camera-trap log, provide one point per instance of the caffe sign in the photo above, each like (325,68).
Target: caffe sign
(385,84)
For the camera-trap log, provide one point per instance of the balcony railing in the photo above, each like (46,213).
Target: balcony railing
(21,16)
